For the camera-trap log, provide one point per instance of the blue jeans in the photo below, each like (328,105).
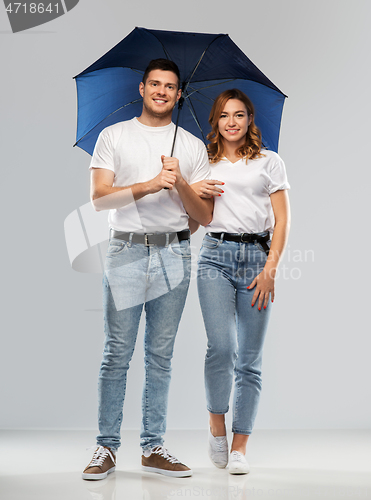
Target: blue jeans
(235,330)
(137,276)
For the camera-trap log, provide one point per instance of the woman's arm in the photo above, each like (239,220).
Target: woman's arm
(193,225)
(281,210)
(264,282)
(207,188)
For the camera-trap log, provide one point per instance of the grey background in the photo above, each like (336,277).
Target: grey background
(316,364)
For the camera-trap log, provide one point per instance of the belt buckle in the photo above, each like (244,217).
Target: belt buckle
(245,241)
(146,243)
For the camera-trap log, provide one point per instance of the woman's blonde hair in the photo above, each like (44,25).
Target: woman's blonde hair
(253,144)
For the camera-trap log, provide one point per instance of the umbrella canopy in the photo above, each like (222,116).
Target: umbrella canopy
(108,90)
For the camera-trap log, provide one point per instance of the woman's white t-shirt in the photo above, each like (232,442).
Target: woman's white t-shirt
(245,205)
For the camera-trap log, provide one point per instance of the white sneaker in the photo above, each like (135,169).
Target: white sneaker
(218,450)
(238,463)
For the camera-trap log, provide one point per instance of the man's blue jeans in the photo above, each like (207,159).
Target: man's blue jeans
(235,330)
(137,276)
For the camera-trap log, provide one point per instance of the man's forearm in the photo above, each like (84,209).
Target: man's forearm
(109,197)
(105,196)
(200,209)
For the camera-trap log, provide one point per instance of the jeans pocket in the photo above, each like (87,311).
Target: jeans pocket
(181,249)
(210,242)
(116,247)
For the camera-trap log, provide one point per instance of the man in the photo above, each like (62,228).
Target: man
(148,260)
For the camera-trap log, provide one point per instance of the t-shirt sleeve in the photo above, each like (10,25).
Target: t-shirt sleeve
(201,169)
(277,176)
(103,152)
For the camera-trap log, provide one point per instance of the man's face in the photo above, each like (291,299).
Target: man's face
(160,93)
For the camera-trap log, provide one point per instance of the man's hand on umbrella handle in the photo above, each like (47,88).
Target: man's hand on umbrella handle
(164,180)
(207,188)
(171,164)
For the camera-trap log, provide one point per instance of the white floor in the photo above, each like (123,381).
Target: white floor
(37,465)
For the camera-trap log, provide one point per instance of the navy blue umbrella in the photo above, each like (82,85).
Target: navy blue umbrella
(108,90)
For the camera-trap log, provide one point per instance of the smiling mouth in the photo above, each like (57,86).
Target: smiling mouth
(232,131)
(160,101)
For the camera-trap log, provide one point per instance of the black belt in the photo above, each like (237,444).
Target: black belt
(150,239)
(244,238)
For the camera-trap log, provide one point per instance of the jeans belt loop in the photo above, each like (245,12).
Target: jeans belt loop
(221,237)
(167,239)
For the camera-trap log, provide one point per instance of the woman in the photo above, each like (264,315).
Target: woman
(236,276)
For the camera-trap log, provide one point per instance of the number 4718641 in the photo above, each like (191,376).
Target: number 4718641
(31,8)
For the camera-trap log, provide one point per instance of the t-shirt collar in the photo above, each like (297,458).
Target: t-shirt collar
(155,130)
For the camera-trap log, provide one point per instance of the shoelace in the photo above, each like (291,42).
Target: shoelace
(237,456)
(99,457)
(220,445)
(163,452)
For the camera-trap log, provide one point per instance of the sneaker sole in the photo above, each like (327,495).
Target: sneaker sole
(220,466)
(172,473)
(237,472)
(97,477)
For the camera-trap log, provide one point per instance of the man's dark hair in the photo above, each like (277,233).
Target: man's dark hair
(163,65)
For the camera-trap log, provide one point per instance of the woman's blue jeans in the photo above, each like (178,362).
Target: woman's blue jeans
(155,278)
(235,330)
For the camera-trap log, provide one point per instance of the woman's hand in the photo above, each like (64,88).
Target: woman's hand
(264,283)
(207,188)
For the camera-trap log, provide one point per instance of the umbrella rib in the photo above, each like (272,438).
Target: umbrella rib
(135,70)
(201,101)
(195,91)
(199,61)
(193,113)
(194,98)
(113,112)
(162,45)
(209,86)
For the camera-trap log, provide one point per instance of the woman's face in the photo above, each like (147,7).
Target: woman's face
(234,122)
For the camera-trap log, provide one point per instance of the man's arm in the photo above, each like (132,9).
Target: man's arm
(105,196)
(199,209)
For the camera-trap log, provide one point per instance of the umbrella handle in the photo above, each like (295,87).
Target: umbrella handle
(180,105)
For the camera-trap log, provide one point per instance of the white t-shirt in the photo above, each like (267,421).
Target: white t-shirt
(133,152)
(245,206)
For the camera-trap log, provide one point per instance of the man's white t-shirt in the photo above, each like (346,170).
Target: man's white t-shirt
(133,152)
(245,205)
